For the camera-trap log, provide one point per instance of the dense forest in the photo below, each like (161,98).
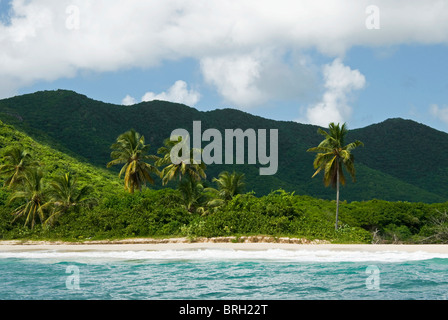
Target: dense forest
(101,208)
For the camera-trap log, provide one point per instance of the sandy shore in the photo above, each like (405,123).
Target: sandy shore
(184,244)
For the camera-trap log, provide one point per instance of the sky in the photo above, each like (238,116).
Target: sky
(354,61)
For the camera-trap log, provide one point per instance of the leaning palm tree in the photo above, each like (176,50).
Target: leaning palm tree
(333,156)
(192,168)
(16,160)
(31,193)
(65,195)
(130,150)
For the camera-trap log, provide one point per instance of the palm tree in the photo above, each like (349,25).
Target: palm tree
(333,156)
(194,169)
(31,192)
(192,196)
(16,161)
(229,185)
(130,150)
(65,196)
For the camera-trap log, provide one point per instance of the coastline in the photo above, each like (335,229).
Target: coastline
(216,243)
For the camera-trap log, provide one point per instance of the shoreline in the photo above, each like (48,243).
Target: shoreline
(148,244)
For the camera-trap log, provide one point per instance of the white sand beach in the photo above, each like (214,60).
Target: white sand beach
(184,244)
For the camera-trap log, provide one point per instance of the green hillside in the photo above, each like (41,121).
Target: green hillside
(401,161)
(162,213)
(55,163)
(414,153)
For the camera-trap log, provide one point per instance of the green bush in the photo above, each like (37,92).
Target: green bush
(157,213)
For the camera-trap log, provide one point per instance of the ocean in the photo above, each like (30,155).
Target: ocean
(223,274)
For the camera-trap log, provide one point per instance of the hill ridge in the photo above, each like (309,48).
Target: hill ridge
(83,127)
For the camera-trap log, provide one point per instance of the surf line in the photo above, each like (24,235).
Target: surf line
(235,139)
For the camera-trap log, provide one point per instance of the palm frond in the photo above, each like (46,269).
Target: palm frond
(332,156)
(130,150)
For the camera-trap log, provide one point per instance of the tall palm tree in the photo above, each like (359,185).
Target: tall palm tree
(333,156)
(65,195)
(194,169)
(31,193)
(16,161)
(130,150)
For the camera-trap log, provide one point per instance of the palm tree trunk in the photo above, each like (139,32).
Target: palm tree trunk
(337,197)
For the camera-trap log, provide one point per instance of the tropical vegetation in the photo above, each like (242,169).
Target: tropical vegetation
(64,198)
(333,156)
(16,161)
(30,190)
(83,128)
(180,167)
(130,150)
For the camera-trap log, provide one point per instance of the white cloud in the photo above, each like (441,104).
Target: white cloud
(178,92)
(440,113)
(235,78)
(340,82)
(229,37)
(128,101)
(251,79)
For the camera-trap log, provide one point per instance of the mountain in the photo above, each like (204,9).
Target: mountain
(401,161)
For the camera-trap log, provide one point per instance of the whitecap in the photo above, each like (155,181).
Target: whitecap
(228,255)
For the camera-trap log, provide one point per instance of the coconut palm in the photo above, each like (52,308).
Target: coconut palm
(193,169)
(192,195)
(16,160)
(130,150)
(65,195)
(333,156)
(229,185)
(31,193)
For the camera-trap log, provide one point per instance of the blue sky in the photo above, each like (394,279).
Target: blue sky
(284,61)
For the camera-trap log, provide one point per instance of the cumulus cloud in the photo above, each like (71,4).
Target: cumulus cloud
(50,39)
(439,112)
(340,82)
(251,79)
(235,78)
(178,92)
(128,101)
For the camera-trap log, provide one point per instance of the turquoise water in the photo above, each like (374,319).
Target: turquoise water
(222,274)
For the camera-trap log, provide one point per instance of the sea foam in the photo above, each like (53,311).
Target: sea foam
(228,255)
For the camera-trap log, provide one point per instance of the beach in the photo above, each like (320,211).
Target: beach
(185,244)
(178,268)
